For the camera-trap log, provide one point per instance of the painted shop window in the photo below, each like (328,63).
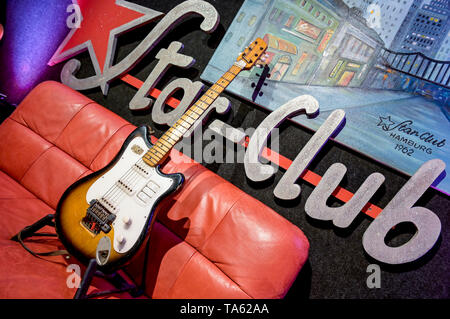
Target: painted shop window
(369,52)
(241,17)
(300,61)
(289,22)
(354,45)
(346,78)
(336,69)
(252,20)
(308,29)
(228,36)
(360,47)
(280,68)
(280,17)
(325,39)
(273,13)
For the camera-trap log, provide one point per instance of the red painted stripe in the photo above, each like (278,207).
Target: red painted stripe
(131,80)
(283,162)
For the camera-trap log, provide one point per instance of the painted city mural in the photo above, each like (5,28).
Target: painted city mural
(386,63)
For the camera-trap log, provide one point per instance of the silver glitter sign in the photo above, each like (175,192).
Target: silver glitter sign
(255,170)
(286,188)
(342,216)
(400,209)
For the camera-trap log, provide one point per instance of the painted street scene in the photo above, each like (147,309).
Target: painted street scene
(386,63)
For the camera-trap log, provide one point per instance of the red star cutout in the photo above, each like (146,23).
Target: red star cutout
(102,21)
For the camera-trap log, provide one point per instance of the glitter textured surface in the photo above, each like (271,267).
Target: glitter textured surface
(33,31)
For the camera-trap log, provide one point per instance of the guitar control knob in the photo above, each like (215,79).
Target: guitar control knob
(126,220)
(121,240)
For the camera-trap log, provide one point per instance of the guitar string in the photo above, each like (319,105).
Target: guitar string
(115,192)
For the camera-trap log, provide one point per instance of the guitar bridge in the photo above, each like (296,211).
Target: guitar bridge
(98,218)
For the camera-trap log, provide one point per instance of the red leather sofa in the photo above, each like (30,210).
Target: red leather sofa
(211,240)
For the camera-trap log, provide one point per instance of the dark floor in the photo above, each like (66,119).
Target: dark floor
(337,263)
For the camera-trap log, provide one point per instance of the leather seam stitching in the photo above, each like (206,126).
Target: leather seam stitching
(34,162)
(182,270)
(106,142)
(70,120)
(196,251)
(199,250)
(213,232)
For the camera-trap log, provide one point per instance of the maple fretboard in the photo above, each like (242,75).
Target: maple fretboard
(159,151)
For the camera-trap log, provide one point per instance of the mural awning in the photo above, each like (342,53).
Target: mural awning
(277,43)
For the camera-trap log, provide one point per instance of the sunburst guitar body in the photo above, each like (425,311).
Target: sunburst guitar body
(108,214)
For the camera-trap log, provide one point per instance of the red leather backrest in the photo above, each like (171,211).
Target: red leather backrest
(55,136)
(211,240)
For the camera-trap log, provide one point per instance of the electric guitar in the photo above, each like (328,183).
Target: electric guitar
(108,214)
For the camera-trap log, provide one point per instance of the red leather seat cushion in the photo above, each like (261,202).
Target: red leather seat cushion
(211,240)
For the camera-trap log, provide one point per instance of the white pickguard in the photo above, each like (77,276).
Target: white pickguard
(131,205)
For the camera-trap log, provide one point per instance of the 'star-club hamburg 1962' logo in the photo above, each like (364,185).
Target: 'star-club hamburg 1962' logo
(410,138)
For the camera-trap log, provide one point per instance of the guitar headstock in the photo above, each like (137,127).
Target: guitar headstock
(252,53)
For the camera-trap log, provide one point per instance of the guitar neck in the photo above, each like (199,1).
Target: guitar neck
(158,152)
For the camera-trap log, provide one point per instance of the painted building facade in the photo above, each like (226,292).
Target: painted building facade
(351,53)
(389,16)
(396,44)
(427,30)
(311,42)
(444,51)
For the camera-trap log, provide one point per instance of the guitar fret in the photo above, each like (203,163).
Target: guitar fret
(161,146)
(184,118)
(166,137)
(179,131)
(165,143)
(182,123)
(201,107)
(151,159)
(212,94)
(228,77)
(207,98)
(155,151)
(190,120)
(224,81)
(194,116)
(176,132)
(218,87)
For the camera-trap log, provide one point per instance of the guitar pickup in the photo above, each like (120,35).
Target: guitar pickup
(148,192)
(125,187)
(153,186)
(142,169)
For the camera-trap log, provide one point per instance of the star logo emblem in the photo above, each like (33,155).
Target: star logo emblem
(101,23)
(386,123)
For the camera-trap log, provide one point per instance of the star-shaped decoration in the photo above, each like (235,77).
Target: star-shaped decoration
(385,123)
(102,21)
